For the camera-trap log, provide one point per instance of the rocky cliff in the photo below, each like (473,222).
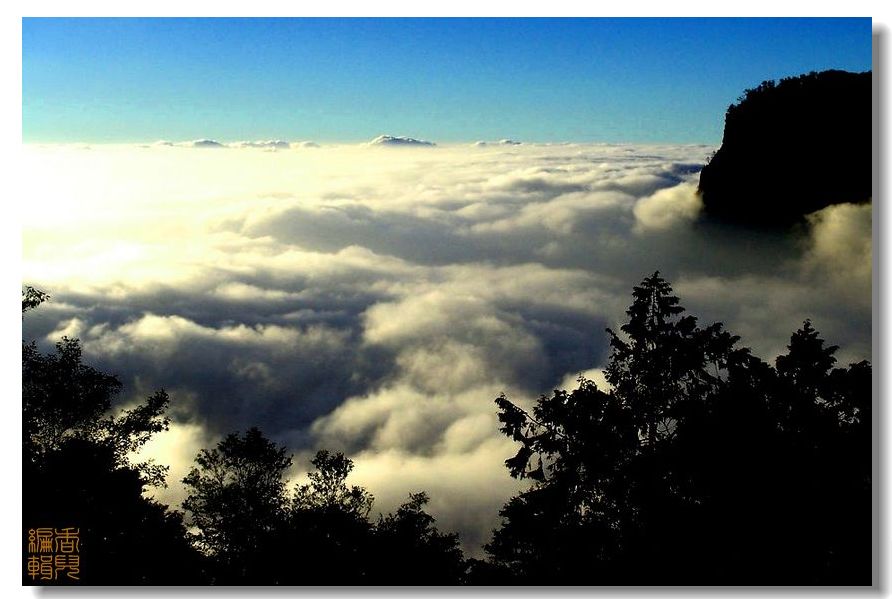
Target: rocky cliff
(790,148)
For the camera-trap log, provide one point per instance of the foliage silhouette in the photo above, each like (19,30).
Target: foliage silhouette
(701,465)
(254,533)
(327,490)
(410,550)
(77,473)
(237,504)
(31,298)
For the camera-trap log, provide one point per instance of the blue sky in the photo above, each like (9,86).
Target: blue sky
(447,80)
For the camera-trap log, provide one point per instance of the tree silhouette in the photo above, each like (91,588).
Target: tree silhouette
(702,464)
(408,548)
(666,361)
(77,472)
(327,490)
(329,524)
(823,415)
(238,505)
(571,446)
(253,533)
(63,398)
(337,542)
(31,298)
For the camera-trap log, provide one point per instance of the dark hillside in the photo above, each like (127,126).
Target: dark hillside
(791,148)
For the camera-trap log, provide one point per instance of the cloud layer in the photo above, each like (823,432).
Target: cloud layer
(377,300)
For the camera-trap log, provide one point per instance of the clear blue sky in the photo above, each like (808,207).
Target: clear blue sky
(637,80)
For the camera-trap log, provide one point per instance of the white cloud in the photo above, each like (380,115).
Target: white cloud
(271,144)
(467,488)
(378,302)
(501,142)
(177,448)
(841,250)
(596,375)
(668,207)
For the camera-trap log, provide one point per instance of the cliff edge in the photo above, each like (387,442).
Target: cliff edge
(790,148)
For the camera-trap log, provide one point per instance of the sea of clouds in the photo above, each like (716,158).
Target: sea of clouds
(376,298)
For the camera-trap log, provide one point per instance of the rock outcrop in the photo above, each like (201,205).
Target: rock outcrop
(791,148)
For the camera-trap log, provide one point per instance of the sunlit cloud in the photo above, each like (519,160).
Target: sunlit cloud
(376,300)
(668,207)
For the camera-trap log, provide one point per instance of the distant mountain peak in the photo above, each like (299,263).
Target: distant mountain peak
(393,140)
(207,143)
